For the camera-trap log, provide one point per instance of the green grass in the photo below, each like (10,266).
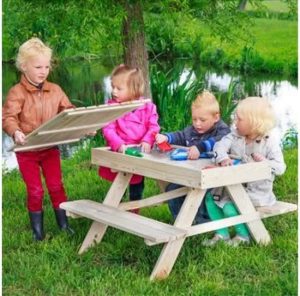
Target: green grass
(274,40)
(122,263)
(284,46)
(272,5)
(274,48)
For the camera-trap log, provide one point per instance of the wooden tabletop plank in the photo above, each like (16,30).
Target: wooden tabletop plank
(190,173)
(76,123)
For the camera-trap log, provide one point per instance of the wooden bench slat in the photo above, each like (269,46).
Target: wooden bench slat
(279,208)
(144,227)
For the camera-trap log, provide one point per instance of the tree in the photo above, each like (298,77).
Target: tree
(135,53)
(242,4)
(133,34)
(222,16)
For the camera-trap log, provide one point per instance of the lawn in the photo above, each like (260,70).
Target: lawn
(122,263)
(274,47)
(272,5)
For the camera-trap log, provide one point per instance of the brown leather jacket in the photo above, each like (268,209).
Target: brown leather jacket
(27,107)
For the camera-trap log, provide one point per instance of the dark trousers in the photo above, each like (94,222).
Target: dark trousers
(136,191)
(175,206)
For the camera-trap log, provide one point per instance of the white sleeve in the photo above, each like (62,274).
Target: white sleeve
(222,147)
(275,156)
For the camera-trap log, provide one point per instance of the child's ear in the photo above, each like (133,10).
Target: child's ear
(23,67)
(217,117)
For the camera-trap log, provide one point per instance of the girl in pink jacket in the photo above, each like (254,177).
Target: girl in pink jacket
(137,127)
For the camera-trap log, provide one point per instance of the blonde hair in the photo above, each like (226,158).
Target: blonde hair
(134,79)
(207,101)
(29,49)
(259,113)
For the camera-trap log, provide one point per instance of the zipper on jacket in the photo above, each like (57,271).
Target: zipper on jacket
(41,102)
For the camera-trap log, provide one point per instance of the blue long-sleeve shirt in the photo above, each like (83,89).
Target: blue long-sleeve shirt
(204,142)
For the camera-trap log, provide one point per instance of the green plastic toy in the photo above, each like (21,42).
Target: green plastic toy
(133,152)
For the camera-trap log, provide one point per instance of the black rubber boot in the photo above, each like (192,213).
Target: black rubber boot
(62,221)
(37,225)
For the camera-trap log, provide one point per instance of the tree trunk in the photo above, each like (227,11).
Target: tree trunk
(242,5)
(135,53)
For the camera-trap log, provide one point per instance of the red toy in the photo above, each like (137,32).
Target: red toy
(164,146)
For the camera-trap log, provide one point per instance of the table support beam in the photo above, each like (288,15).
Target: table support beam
(153,200)
(113,198)
(245,206)
(184,220)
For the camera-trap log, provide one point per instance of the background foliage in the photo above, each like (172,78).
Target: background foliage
(262,38)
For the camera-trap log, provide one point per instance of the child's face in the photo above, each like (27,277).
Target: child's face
(242,125)
(120,91)
(203,120)
(37,68)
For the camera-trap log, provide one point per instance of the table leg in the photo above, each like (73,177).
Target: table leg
(245,206)
(184,220)
(113,198)
(162,185)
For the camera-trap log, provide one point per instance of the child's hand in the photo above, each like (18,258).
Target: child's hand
(19,137)
(93,134)
(193,153)
(145,147)
(122,148)
(226,162)
(257,157)
(160,138)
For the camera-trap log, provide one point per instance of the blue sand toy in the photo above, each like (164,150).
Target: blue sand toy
(236,161)
(179,154)
(182,154)
(208,154)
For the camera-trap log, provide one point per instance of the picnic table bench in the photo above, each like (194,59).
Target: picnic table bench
(195,179)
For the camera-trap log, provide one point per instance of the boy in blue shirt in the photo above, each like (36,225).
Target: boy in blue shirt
(207,128)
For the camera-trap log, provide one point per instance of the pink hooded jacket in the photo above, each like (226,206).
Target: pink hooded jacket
(134,127)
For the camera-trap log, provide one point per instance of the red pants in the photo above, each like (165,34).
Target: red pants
(30,164)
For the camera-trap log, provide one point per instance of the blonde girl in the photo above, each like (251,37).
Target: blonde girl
(29,104)
(252,140)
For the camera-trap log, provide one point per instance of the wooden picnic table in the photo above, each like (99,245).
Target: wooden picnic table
(195,179)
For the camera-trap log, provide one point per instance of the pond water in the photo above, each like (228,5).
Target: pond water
(86,84)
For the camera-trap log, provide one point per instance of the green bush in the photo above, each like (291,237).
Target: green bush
(174,91)
(173,97)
